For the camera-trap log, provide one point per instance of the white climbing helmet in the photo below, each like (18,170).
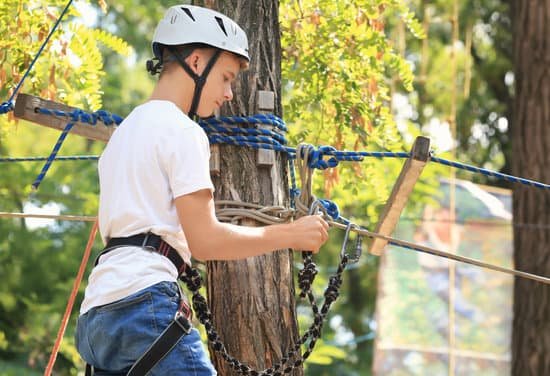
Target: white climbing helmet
(188,24)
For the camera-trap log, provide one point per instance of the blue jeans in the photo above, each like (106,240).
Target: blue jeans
(112,337)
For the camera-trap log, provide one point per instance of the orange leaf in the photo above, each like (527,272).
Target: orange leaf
(315,18)
(52,75)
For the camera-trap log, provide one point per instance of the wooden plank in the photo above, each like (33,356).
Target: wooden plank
(266,104)
(420,154)
(215,153)
(215,160)
(25,108)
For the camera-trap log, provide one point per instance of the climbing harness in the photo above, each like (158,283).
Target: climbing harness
(180,325)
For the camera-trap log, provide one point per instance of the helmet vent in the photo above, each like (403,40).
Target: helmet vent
(188,12)
(222,26)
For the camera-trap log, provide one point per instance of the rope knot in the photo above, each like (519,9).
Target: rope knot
(332,292)
(107,118)
(82,116)
(331,208)
(6,107)
(294,192)
(316,157)
(306,277)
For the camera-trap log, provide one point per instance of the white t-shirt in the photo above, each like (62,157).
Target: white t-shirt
(155,155)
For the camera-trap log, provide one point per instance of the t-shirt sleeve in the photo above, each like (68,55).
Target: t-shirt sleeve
(185,158)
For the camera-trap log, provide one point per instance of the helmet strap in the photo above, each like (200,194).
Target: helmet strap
(200,80)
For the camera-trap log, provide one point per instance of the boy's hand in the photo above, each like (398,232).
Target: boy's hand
(310,233)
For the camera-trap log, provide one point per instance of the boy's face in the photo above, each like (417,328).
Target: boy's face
(217,88)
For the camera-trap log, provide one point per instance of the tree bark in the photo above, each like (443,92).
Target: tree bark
(531,159)
(252,301)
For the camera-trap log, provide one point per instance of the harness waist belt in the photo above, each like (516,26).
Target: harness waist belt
(179,327)
(151,241)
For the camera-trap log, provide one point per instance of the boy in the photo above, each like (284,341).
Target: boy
(154,182)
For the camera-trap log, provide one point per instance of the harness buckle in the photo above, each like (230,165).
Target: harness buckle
(183,322)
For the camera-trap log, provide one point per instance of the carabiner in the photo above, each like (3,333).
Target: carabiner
(358,245)
(346,238)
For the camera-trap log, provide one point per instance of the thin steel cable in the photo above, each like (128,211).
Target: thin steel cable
(440,253)
(60,217)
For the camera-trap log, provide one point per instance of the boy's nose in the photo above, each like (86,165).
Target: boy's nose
(228,94)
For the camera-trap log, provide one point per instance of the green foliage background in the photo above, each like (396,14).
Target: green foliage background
(343,63)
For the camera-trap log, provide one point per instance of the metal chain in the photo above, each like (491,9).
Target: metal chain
(193,281)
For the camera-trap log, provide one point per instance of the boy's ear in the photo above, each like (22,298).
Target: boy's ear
(193,61)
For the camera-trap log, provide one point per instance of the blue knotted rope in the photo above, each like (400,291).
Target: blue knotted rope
(51,158)
(250,137)
(228,131)
(332,210)
(266,119)
(6,107)
(83,116)
(329,208)
(486,172)
(321,158)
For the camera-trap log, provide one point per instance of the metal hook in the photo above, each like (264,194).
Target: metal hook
(346,238)
(358,245)
(358,249)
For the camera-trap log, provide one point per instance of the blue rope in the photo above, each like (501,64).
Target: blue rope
(332,210)
(267,119)
(51,158)
(487,172)
(251,137)
(83,116)
(375,154)
(57,158)
(243,141)
(8,105)
(215,129)
(321,158)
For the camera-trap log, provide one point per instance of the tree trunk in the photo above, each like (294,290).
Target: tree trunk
(252,301)
(531,159)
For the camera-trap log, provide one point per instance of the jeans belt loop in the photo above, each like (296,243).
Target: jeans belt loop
(145,239)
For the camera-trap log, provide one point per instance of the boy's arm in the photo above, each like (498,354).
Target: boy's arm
(210,239)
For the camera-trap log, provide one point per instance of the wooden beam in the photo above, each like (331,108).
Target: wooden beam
(25,108)
(266,105)
(420,154)
(215,153)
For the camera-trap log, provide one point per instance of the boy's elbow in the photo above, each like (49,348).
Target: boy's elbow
(204,248)
(200,255)
(203,241)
